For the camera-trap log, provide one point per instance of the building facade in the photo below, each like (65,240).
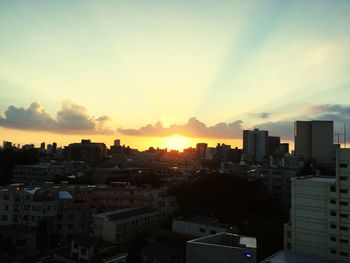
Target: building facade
(320,214)
(314,141)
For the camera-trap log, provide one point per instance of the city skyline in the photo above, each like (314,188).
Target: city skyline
(148,73)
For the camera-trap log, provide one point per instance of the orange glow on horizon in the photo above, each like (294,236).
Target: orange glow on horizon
(177,142)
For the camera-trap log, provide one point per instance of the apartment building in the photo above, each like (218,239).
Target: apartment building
(122,226)
(320,215)
(198,226)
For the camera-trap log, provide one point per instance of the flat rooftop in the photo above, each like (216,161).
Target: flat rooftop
(284,256)
(227,240)
(202,220)
(125,213)
(326,179)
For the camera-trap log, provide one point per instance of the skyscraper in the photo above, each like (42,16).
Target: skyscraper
(314,140)
(255,144)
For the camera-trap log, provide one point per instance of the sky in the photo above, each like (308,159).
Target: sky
(161,73)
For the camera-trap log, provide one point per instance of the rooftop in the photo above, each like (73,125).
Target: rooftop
(284,256)
(125,213)
(326,179)
(227,240)
(203,220)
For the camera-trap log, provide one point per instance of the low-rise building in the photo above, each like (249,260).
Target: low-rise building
(221,248)
(122,226)
(198,226)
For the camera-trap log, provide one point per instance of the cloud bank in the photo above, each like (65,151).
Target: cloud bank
(71,118)
(193,128)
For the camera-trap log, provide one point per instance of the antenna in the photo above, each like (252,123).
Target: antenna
(344,135)
(338,134)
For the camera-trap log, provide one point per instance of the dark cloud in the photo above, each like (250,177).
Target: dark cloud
(193,128)
(284,129)
(335,112)
(264,115)
(71,118)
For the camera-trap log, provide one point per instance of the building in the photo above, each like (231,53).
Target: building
(85,247)
(6,145)
(314,141)
(86,151)
(284,256)
(221,248)
(274,145)
(201,150)
(277,182)
(255,145)
(320,214)
(198,226)
(122,226)
(39,173)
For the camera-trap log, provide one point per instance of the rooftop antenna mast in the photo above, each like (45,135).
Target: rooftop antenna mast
(344,135)
(338,134)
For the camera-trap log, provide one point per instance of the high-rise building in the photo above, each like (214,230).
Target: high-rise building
(116,142)
(314,141)
(320,214)
(42,146)
(274,145)
(255,144)
(201,150)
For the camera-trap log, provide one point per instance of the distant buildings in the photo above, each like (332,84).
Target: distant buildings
(320,214)
(314,141)
(221,248)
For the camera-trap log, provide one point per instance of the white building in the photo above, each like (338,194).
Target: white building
(198,226)
(320,214)
(221,248)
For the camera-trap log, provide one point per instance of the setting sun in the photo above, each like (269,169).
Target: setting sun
(177,142)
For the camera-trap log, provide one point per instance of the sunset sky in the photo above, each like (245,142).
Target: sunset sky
(145,71)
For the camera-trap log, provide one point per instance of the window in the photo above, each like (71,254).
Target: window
(345,241)
(333,239)
(344,191)
(344,254)
(345,228)
(333,251)
(333,201)
(212,232)
(202,230)
(344,203)
(343,165)
(4,217)
(333,226)
(333,213)
(332,188)
(344,215)
(343,178)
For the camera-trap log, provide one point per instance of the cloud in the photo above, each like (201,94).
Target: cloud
(284,129)
(71,118)
(336,112)
(193,128)
(264,115)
